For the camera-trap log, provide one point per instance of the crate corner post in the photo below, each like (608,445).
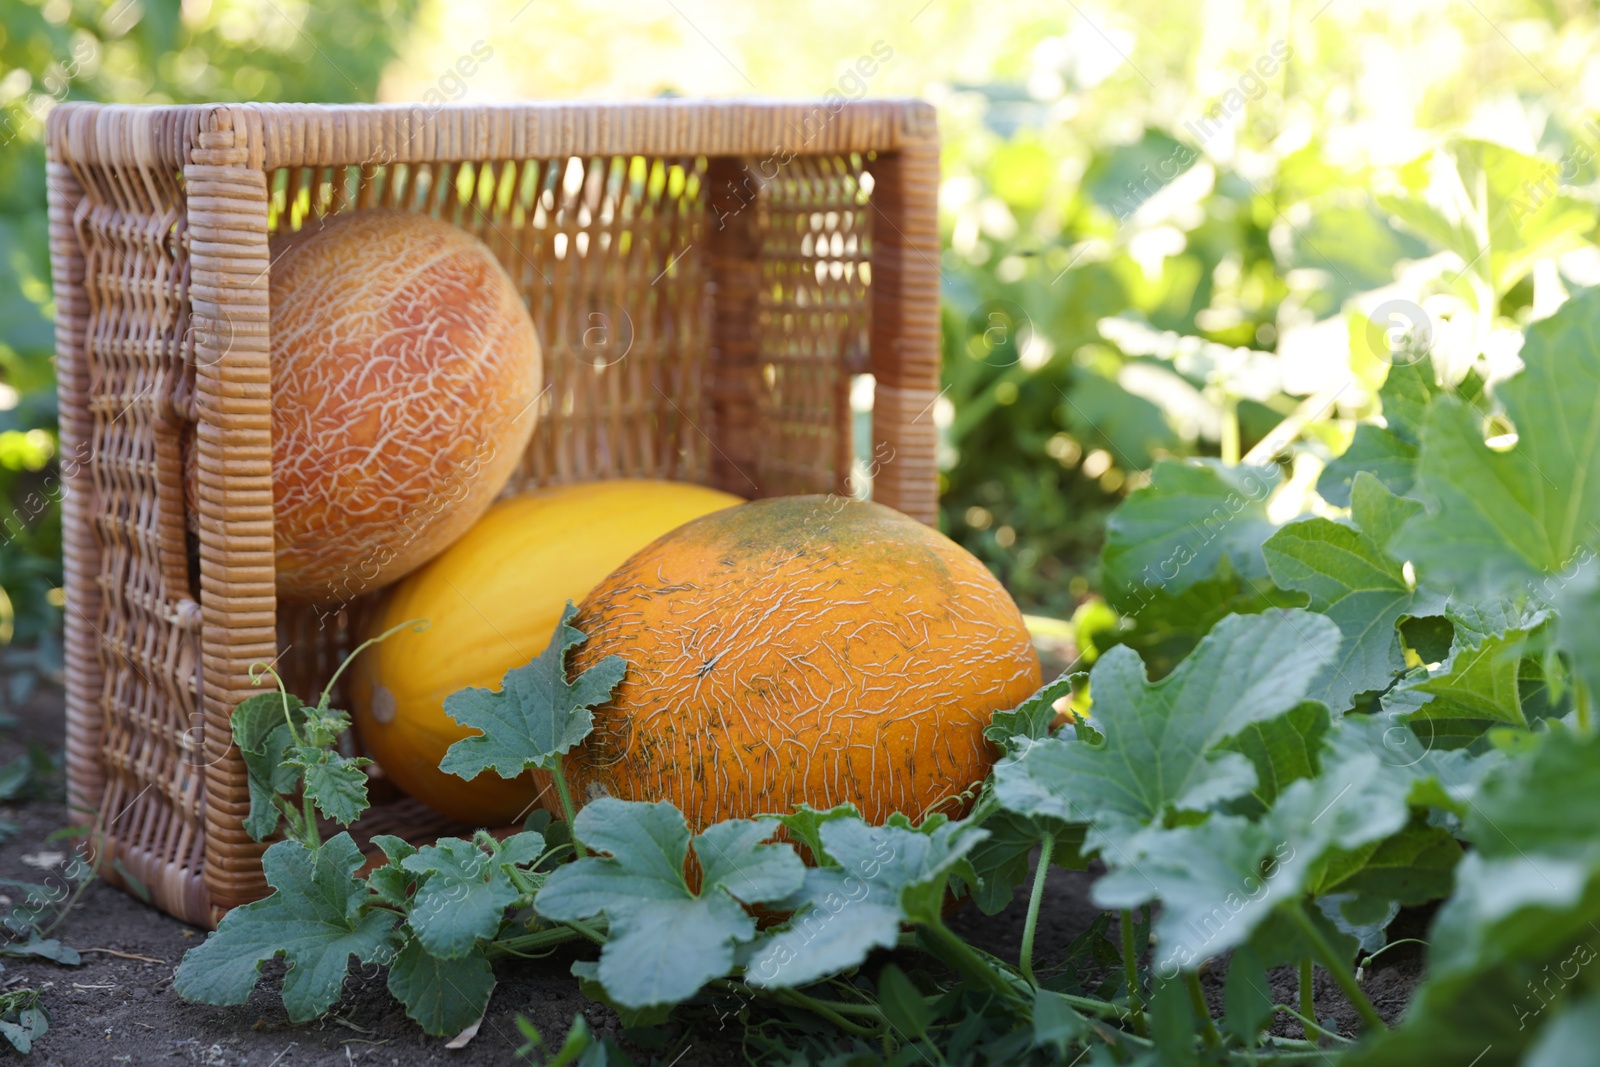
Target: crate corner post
(905,346)
(226,185)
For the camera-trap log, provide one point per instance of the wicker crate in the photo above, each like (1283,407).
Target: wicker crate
(753,258)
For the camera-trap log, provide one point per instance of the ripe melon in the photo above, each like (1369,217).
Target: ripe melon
(800,650)
(493,599)
(404,374)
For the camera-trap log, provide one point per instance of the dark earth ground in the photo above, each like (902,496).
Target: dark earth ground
(120,1010)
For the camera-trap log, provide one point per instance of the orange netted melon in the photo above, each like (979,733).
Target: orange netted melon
(492,600)
(800,649)
(404,374)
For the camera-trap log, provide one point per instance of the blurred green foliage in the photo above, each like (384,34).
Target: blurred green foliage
(1120,293)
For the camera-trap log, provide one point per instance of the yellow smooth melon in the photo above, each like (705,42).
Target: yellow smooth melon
(492,600)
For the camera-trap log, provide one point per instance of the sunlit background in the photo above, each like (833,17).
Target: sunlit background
(1166,223)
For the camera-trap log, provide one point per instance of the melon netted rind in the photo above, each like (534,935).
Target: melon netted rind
(801,650)
(405,374)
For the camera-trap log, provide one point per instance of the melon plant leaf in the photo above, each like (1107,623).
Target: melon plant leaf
(1477,685)
(1577,626)
(1032,719)
(667,941)
(1283,750)
(1161,746)
(1407,390)
(804,824)
(1220,879)
(1571,1037)
(885,876)
(1378,452)
(1002,860)
(392,884)
(1180,528)
(1525,907)
(1057,1025)
(262,733)
(1247,1000)
(443,996)
(1500,521)
(337,784)
(536,717)
(1411,868)
(316,919)
(1353,581)
(465,891)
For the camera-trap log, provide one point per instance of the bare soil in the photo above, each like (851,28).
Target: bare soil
(118,1007)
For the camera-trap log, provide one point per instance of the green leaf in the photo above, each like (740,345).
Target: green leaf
(1220,879)
(804,824)
(337,785)
(392,884)
(1407,391)
(886,876)
(1352,581)
(465,892)
(1479,681)
(1246,997)
(316,919)
(1173,1025)
(1031,719)
(1003,860)
(536,716)
(1525,908)
(1197,519)
(1413,867)
(262,732)
(1570,1037)
(1162,741)
(48,948)
(31,1024)
(902,1003)
(1577,624)
(1282,750)
(1501,521)
(443,996)
(1382,453)
(666,941)
(1057,1025)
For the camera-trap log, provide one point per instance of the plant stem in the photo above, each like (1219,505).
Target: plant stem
(1025,962)
(1367,962)
(1130,970)
(1311,1024)
(1331,963)
(558,772)
(313,838)
(327,691)
(1581,700)
(961,958)
(832,1011)
(826,1010)
(512,946)
(586,930)
(1230,430)
(1308,999)
(1202,1012)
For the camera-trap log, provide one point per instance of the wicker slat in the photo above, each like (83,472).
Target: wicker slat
(706,278)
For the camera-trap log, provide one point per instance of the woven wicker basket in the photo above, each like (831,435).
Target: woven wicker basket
(750,259)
